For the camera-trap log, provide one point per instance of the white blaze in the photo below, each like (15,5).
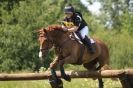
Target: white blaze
(40,52)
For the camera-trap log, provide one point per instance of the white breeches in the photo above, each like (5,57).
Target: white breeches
(84,32)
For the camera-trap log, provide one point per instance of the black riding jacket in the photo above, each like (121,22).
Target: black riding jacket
(77,20)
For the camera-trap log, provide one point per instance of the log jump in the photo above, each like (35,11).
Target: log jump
(72,74)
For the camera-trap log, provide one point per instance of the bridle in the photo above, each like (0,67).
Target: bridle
(46,39)
(50,41)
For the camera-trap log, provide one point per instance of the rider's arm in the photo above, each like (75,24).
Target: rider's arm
(73,29)
(77,23)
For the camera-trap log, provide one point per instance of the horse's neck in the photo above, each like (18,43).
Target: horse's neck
(59,37)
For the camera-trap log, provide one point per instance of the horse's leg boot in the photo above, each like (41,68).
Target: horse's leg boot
(56,83)
(60,83)
(89,45)
(63,74)
(66,77)
(53,83)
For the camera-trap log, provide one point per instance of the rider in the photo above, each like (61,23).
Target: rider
(74,22)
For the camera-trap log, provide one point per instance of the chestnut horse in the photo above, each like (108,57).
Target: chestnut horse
(72,52)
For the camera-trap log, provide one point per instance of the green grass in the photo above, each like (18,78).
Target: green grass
(75,83)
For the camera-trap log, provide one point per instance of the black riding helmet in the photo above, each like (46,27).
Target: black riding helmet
(69,9)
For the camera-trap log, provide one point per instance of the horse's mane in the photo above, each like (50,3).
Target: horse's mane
(54,27)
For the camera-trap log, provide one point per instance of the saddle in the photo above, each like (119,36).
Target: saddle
(74,36)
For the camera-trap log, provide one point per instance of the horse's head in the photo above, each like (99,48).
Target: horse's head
(52,35)
(45,43)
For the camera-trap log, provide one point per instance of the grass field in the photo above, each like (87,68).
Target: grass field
(75,83)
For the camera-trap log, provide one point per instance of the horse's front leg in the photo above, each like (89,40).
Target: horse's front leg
(67,60)
(54,80)
(63,74)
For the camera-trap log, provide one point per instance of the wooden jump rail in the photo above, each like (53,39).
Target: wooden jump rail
(125,76)
(73,74)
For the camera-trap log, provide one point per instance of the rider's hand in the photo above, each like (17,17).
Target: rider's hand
(64,28)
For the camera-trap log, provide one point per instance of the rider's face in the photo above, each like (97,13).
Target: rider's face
(69,15)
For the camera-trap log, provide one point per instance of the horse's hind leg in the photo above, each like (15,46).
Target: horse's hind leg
(103,59)
(100,83)
(92,66)
(103,64)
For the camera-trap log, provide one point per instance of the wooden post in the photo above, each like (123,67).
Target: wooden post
(126,80)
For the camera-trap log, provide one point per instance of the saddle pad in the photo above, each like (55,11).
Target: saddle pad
(92,40)
(77,38)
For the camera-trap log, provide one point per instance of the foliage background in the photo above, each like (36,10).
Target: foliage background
(20,18)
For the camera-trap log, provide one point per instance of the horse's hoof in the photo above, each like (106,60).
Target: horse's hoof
(56,83)
(59,83)
(67,78)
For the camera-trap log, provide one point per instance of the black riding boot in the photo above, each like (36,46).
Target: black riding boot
(87,42)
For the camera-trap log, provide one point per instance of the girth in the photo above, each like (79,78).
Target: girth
(79,61)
